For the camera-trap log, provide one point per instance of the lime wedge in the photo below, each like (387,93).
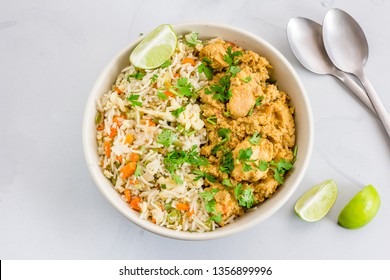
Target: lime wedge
(156,48)
(317,201)
(361,209)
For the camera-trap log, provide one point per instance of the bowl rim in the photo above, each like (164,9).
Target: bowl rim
(181,235)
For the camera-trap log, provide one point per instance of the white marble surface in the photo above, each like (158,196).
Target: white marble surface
(51,52)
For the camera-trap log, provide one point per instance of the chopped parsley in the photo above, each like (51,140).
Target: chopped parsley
(133,99)
(246,79)
(166,64)
(255,139)
(166,137)
(227,163)
(192,39)
(245,197)
(205,175)
(244,156)
(177,112)
(137,75)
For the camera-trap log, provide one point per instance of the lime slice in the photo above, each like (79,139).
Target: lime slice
(317,201)
(156,48)
(361,209)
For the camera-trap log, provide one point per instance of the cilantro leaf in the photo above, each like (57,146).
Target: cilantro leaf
(166,137)
(212,120)
(166,64)
(244,197)
(224,133)
(217,218)
(192,39)
(258,100)
(194,158)
(280,169)
(154,78)
(227,163)
(263,165)
(255,139)
(162,95)
(208,72)
(137,172)
(230,57)
(245,154)
(246,167)
(234,70)
(205,175)
(183,88)
(137,75)
(176,112)
(133,100)
(246,79)
(227,183)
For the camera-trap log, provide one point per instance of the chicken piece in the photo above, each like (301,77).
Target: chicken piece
(265,188)
(243,93)
(281,126)
(262,151)
(215,52)
(226,204)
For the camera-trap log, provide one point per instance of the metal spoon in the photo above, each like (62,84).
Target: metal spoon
(347,48)
(305,39)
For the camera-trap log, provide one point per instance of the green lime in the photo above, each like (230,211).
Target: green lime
(317,201)
(156,48)
(361,209)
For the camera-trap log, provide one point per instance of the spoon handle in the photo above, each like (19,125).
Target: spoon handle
(378,105)
(356,89)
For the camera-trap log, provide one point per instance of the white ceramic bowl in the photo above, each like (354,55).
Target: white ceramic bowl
(288,81)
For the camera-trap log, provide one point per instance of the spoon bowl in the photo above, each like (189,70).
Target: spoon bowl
(344,41)
(347,47)
(305,39)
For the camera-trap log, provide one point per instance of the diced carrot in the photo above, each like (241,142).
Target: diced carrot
(119,158)
(134,182)
(134,157)
(129,139)
(190,213)
(128,195)
(113,132)
(115,119)
(100,127)
(118,90)
(151,123)
(153,220)
(135,203)
(176,75)
(188,60)
(169,94)
(167,84)
(128,170)
(182,206)
(107,148)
